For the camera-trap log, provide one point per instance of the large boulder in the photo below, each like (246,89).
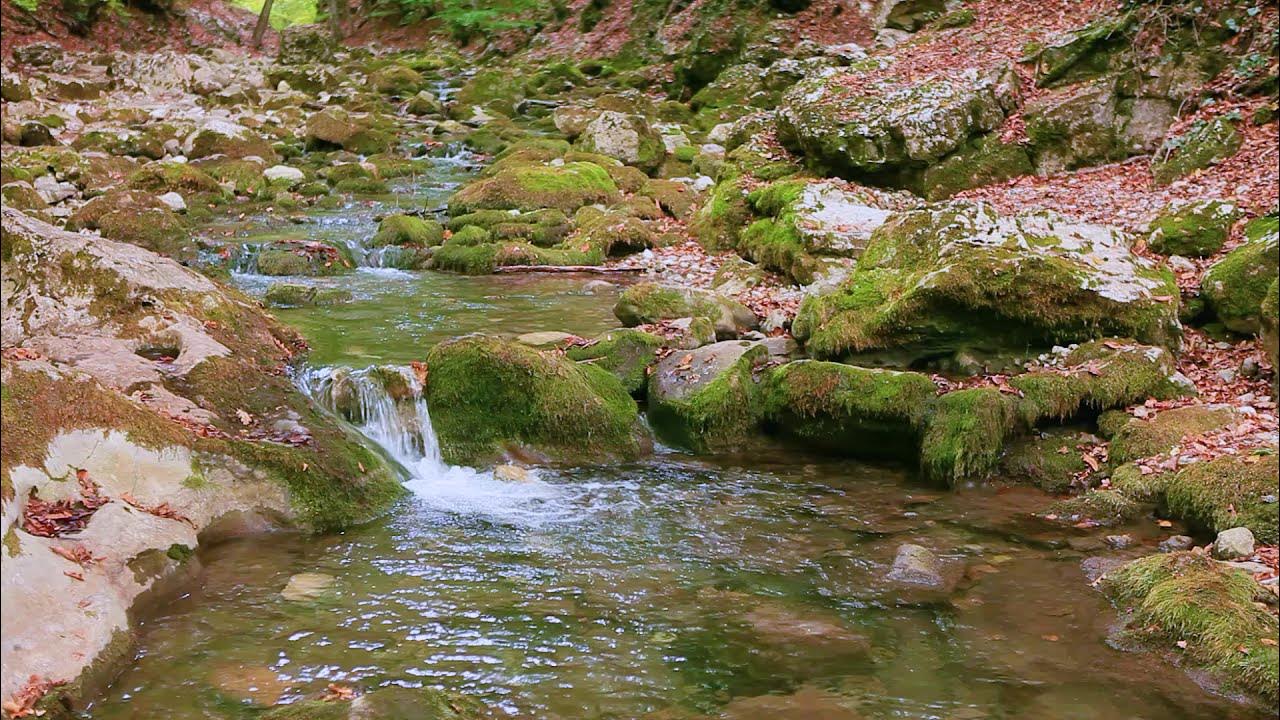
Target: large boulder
(624,137)
(1236,285)
(707,398)
(891,135)
(515,185)
(220,137)
(139,218)
(142,393)
(360,133)
(960,277)
(490,396)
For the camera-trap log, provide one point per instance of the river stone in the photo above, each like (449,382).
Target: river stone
(546,339)
(917,566)
(284,174)
(307,586)
(174,201)
(650,302)
(624,137)
(511,473)
(256,684)
(1176,543)
(1233,544)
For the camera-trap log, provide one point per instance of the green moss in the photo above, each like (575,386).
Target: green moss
(531,187)
(851,410)
(295,295)
(1187,598)
(1049,459)
(408,230)
(649,302)
(1236,285)
(983,161)
(965,434)
(1204,144)
(1196,229)
(278,259)
(396,79)
(488,394)
(1099,376)
(467,258)
(1139,438)
(923,290)
(1227,492)
(720,414)
(722,216)
(628,354)
(309,710)
(162,177)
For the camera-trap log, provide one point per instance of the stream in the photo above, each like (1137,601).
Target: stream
(675,586)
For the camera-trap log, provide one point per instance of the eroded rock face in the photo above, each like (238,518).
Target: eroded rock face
(959,276)
(894,135)
(134,380)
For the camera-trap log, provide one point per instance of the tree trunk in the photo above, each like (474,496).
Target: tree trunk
(335,20)
(264,19)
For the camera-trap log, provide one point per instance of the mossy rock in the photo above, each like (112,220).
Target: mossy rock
(722,215)
(288,295)
(492,89)
(1095,377)
(1049,459)
(296,258)
(1140,438)
(245,176)
(708,398)
(1229,491)
(408,230)
(233,141)
(489,396)
(863,412)
(137,218)
(628,354)
(1269,318)
(983,161)
(965,434)
(625,137)
(21,195)
(163,177)
(959,277)
(1192,229)
(363,134)
(1207,610)
(521,186)
(876,135)
(650,302)
(1203,145)
(1235,286)
(396,79)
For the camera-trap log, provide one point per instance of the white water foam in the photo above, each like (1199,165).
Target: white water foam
(403,429)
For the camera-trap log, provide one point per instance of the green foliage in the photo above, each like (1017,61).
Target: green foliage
(469,19)
(284,12)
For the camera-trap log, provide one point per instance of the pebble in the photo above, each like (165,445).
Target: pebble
(174,201)
(1227,376)
(1119,542)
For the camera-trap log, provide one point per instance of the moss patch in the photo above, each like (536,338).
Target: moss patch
(628,354)
(487,394)
(1189,598)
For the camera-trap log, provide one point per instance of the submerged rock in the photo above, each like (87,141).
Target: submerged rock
(307,586)
(917,566)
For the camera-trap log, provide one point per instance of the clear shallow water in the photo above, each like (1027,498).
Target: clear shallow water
(737,587)
(672,585)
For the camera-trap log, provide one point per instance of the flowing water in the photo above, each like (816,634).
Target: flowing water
(736,586)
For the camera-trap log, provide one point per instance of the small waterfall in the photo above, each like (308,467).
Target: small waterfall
(385,404)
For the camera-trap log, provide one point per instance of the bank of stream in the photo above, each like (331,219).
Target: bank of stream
(679,585)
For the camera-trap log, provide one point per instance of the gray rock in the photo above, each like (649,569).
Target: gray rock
(174,201)
(1119,542)
(1176,543)
(1233,544)
(917,566)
